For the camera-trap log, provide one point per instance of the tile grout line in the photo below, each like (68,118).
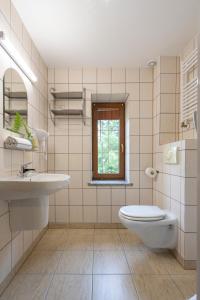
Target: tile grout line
(132,278)
(122,249)
(50,284)
(176,285)
(92,292)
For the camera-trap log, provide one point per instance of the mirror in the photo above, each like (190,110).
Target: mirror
(14,98)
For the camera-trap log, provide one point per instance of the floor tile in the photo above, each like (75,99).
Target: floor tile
(106,231)
(110,262)
(107,240)
(76,262)
(110,254)
(41,262)
(75,232)
(156,260)
(167,261)
(79,242)
(151,287)
(131,241)
(77,239)
(28,287)
(52,239)
(139,262)
(70,287)
(186,284)
(113,287)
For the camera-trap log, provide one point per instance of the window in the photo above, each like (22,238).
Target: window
(108,137)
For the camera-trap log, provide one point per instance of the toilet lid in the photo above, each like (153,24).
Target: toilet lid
(142,212)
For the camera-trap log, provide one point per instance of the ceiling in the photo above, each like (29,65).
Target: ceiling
(108,32)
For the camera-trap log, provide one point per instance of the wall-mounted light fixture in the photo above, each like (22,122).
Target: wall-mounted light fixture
(16,57)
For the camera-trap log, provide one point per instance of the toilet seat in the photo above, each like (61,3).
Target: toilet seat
(143,213)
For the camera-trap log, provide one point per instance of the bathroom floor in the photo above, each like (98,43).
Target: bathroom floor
(98,264)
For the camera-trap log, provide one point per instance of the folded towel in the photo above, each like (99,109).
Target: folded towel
(17,143)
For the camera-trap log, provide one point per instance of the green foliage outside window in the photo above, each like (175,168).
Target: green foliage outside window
(108,146)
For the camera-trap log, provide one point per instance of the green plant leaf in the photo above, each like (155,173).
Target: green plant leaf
(17,123)
(19,126)
(27,130)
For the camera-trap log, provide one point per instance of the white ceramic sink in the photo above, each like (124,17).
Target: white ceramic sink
(32,186)
(28,198)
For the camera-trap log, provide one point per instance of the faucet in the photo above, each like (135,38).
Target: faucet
(24,168)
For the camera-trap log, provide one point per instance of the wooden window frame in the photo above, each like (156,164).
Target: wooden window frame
(120,107)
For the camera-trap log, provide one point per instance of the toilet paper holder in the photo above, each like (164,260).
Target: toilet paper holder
(151,172)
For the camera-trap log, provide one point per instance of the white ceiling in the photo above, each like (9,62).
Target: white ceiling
(108,32)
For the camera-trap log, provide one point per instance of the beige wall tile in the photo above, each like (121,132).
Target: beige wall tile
(103,196)
(146,75)
(61,214)
(27,239)
(115,214)
(89,197)
(132,197)
(17,248)
(5,262)
(76,214)
(168,64)
(75,162)
(75,75)
(104,75)
(5,8)
(133,90)
(168,83)
(118,75)
(90,214)
(75,144)
(146,108)
(146,91)
(16,22)
(89,75)
(75,196)
(118,196)
(61,162)
(5,230)
(167,123)
(104,214)
(61,75)
(61,197)
(132,75)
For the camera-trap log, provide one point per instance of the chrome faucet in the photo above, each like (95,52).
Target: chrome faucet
(24,168)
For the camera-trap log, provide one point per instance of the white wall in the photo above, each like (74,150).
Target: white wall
(70,145)
(175,188)
(198,180)
(166,99)
(14,244)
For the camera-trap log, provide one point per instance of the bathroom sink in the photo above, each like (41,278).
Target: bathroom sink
(32,186)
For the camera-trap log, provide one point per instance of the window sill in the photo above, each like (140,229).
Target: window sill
(110,182)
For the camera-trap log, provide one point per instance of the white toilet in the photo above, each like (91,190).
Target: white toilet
(156,227)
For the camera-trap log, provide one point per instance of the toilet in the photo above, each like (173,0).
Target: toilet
(156,227)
